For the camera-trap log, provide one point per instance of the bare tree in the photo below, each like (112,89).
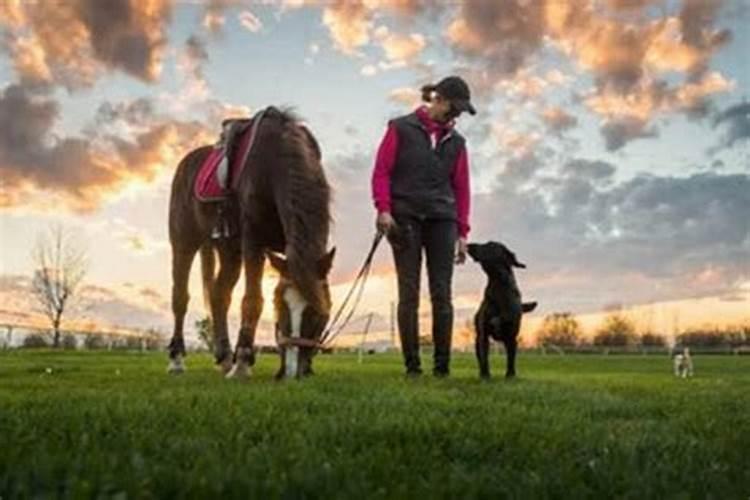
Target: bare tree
(59,267)
(559,329)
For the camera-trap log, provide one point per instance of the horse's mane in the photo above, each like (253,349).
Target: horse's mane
(308,201)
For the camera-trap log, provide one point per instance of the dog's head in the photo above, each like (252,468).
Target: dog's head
(494,257)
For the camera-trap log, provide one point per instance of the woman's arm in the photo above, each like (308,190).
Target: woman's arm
(462,191)
(381,174)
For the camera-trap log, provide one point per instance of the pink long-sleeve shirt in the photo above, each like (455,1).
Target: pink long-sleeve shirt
(386,159)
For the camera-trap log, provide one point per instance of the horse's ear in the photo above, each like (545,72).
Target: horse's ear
(326,263)
(278,262)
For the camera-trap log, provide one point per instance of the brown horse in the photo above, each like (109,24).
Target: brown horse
(281,203)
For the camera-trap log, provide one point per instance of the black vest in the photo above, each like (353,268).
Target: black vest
(421,178)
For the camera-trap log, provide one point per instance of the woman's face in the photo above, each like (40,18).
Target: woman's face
(443,109)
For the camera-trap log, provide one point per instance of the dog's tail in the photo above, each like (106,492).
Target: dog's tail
(528,306)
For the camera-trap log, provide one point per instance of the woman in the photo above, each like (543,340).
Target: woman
(420,187)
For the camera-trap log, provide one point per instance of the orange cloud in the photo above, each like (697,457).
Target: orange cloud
(398,47)
(349,24)
(30,60)
(406,96)
(557,119)
(515,143)
(12,14)
(625,47)
(78,40)
(81,172)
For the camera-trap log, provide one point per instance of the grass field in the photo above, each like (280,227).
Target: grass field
(114,424)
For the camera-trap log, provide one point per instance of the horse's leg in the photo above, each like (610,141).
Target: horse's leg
(182,260)
(252,307)
(230,258)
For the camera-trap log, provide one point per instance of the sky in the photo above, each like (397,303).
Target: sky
(610,151)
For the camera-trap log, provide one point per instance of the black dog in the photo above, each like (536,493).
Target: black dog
(499,315)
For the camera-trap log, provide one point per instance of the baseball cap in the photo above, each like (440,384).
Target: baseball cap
(456,90)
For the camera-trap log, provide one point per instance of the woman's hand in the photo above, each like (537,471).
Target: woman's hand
(385,223)
(462,247)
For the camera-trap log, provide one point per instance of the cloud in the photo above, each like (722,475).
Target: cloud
(29,60)
(503,33)
(213,15)
(134,239)
(406,96)
(399,47)
(73,43)
(250,21)
(592,170)
(618,132)
(369,70)
(558,120)
(644,64)
(191,61)
(736,120)
(513,142)
(96,307)
(82,171)
(589,240)
(349,24)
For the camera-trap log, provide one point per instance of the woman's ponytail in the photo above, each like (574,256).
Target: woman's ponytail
(427,91)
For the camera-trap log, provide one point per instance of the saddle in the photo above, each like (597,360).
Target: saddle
(218,174)
(223,162)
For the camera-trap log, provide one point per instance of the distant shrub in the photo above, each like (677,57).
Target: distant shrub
(559,329)
(156,341)
(617,330)
(69,341)
(708,337)
(36,341)
(653,340)
(94,341)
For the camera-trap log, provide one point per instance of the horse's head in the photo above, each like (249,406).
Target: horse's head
(302,305)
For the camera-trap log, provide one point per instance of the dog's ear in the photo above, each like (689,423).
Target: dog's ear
(496,267)
(514,261)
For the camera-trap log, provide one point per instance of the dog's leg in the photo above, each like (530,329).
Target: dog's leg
(482,346)
(509,333)
(510,353)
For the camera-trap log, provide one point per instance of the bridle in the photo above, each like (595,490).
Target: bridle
(333,329)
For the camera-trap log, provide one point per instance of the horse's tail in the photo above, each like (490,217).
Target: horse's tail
(208,265)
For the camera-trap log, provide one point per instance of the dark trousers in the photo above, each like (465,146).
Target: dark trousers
(437,239)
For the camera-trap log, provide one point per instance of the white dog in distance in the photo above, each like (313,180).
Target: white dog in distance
(683,364)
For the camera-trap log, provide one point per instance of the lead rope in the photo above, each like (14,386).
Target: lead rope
(359,284)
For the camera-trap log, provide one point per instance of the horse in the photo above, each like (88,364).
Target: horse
(279,209)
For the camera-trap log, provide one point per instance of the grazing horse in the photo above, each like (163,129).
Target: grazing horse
(280,205)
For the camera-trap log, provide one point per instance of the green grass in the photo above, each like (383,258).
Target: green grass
(114,424)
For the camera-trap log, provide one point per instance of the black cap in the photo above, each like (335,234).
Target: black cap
(455,89)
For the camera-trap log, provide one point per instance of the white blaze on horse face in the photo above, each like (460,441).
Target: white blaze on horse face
(296,305)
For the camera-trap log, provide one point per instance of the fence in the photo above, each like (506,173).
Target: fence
(14,335)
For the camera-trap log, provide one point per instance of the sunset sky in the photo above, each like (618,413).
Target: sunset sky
(610,151)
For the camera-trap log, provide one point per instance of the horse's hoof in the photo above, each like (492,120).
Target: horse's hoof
(240,371)
(176,365)
(224,366)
